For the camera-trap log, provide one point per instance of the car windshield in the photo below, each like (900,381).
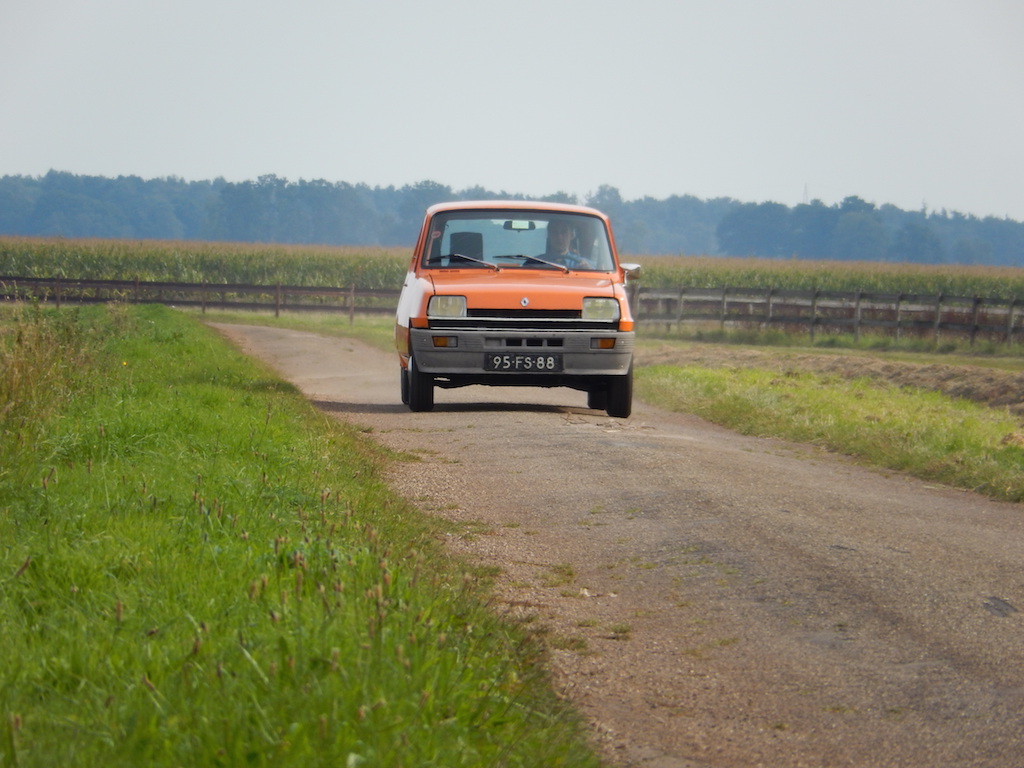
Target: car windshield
(518,240)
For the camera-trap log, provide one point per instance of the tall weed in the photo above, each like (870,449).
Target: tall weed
(45,359)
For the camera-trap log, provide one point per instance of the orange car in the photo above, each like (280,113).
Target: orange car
(516,293)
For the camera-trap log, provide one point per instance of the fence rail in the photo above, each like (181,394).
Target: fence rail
(810,311)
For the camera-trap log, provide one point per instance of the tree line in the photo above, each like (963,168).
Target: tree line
(274,209)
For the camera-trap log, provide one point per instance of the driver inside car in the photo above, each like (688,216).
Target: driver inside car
(560,246)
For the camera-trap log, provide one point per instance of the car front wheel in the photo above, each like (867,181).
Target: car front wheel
(620,395)
(421,388)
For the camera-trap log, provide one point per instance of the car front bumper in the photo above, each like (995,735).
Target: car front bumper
(558,355)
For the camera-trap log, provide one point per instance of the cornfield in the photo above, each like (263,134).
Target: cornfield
(384,268)
(196,262)
(872,277)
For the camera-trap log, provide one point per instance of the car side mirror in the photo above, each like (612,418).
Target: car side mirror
(632,271)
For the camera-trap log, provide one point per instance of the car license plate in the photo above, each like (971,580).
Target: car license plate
(515,362)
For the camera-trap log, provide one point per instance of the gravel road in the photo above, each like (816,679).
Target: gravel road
(712,599)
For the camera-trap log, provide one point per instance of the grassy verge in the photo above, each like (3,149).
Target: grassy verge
(924,433)
(196,568)
(374,329)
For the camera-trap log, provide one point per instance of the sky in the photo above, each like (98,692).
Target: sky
(915,103)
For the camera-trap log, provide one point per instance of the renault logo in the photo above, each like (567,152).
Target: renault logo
(525,301)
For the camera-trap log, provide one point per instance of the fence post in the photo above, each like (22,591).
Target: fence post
(352,304)
(721,317)
(975,313)
(56,289)
(203,294)
(856,315)
(1009,322)
(277,300)
(770,309)
(814,313)
(938,317)
(899,315)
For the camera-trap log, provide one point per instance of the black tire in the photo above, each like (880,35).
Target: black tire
(620,395)
(404,374)
(421,388)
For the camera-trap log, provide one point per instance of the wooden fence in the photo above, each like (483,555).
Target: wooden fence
(835,312)
(291,298)
(812,312)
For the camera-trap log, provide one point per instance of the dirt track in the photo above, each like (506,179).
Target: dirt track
(711,599)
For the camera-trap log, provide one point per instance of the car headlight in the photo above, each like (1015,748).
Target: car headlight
(446,306)
(595,308)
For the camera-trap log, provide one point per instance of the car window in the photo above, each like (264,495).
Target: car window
(517,240)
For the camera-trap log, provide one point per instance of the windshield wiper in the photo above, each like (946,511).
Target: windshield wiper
(541,261)
(475,260)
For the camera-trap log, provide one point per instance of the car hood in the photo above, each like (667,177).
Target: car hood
(516,288)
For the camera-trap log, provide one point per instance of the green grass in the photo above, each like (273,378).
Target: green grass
(927,434)
(196,568)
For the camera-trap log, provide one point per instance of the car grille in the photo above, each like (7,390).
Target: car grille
(523,314)
(537,320)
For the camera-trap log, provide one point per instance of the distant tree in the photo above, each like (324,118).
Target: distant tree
(678,224)
(415,199)
(916,242)
(854,204)
(477,193)
(972,251)
(756,229)
(633,236)
(811,227)
(76,206)
(147,208)
(241,213)
(737,235)
(18,195)
(1006,237)
(607,200)
(560,197)
(192,201)
(859,236)
(358,220)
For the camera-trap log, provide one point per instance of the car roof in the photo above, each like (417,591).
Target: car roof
(513,205)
